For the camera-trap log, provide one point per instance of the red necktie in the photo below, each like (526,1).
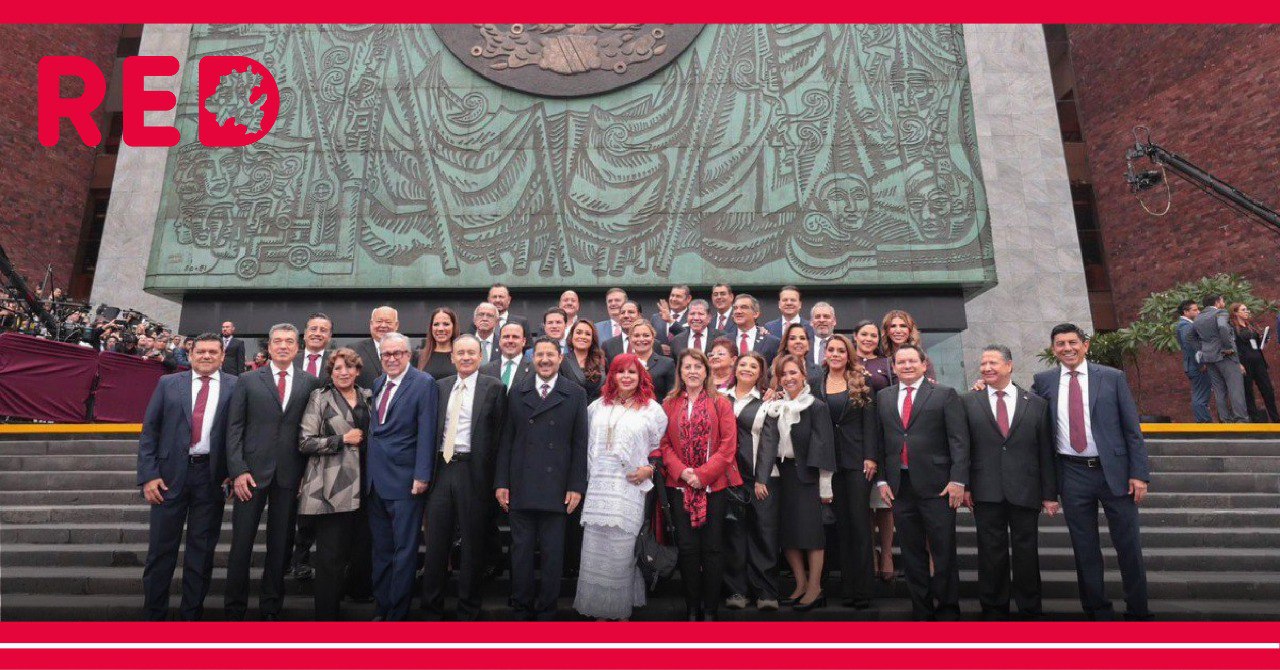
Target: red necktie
(1075,413)
(697,341)
(617,330)
(1002,414)
(720,322)
(280,386)
(742,344)
(382,403)
(906,419)
(312,369)
(197,413)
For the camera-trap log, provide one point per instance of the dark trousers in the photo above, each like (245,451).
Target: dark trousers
(455,505)
(333,550)
(851,495)
(304,538)
(281,504)
(920,519)
(701,550)
(360,563)
(396,527)
(1257,374)
(751,538)
(1201,392)
(1000,524)
(198,507)
(1082,489)
(536,533)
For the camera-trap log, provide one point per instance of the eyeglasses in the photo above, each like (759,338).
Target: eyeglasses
(388,355)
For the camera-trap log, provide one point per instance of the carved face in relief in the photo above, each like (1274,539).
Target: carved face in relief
(936,200)
(846,199)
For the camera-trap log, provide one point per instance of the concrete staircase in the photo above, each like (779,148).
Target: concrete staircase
(73,534)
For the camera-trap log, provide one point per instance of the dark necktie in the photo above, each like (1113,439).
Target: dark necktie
(697,341)
(720,322)
(382,404)
(1002,414)
(280,387)
(820,353)
(197,413)
(312,368)
(1075,413)
(906,419)
(546,388)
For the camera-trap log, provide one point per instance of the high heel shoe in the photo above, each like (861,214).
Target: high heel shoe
(820,601)
(790,600)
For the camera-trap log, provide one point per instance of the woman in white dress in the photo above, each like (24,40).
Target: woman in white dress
(626,425)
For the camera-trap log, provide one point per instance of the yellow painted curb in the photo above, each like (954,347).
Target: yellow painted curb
(69,428)
(1211,427)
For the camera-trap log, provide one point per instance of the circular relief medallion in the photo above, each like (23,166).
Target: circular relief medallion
(566,59)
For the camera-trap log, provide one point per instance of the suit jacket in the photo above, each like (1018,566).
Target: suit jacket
(233,359)
(678,326)
(403,448)
(166,432)
(1113,420)
(613,348)
(494,353)
(813,442)
(569,367)
(937,438)
(262,438)
(332,480)
(516,318)
(494,369)
(1020,468)
(543,450)
(604,330)
(300,362)
(1211,335)
(766,344)
(775,327)
(663,372)
(371,364)
(760,468)
(730,328)
(1184,328)
(682,341)
(855,430)
(487,408)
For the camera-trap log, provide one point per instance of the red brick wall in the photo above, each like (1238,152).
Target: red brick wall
(43,191)
(1209,94)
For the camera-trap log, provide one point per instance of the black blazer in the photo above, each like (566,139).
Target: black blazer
(681,342)
(613,348)
(262,439)
(767,454)
(663,372)
(855,429)
(937,439)
(300,362)
(570,368)
(486,426)
(543,450)
(1020,468)
(370,364)
(813,442)
(766,344)
(233,357)
(494,369)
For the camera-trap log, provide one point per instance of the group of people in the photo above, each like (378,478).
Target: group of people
(758,435)
(1222,355)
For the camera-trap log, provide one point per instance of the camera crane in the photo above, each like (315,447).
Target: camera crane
(1162,159)
(19,291)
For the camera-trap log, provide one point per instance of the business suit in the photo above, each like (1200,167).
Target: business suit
(492,343)
(300,362)
(667,331)
(856,440)
(570,368)
(751,535)
(1010,478)
(402,449)
(233,356)
(194,498)
(542,456)
(936,440)
(765,344)
(1211,335)
(1083,483)
(515,318)
(371,364)
(776,328)
(685,339)
(1200,387)
(521,371)
(615,346)
(461,495)
(262,439)
(663,372)
(604,330)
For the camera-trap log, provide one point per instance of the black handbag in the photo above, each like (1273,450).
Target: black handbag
(656,561)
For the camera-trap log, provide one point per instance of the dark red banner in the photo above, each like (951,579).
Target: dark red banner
(125,384)
(45,380)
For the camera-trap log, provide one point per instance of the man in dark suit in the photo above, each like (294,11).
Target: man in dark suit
(540,477)
(401,457)
(555,324)
(181,466)
(233,350)
(1214,340)
(789,305)
(747,335)
(310,359)
(628,314)
(1102,459)
(500,297)
(510,367)
(469,423)
(699,334)
(263,420)
(924,440)
(485,327)
(1188,310)
(612,326)
(721,313)
(823,324)
(672,317)
(1012,477)
(382,320)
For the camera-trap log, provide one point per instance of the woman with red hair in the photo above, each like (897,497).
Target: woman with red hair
(625,425)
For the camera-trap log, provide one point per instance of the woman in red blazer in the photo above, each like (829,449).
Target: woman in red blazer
(699,455)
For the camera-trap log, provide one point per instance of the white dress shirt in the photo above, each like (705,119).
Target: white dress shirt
(306,360)
(389,392)
(725,316)
(538,382)
(1064,412)
(462,434)
(1009,391)
(288,381)
(210,411)
(752,336)
(915,395)
(488,345)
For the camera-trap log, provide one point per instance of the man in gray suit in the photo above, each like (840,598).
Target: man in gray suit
(1188,310)
(612,326)
(1213,338)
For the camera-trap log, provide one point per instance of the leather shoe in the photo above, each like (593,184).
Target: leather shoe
(857,603)
(820,601)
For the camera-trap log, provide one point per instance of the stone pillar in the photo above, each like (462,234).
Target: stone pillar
(135,197)
(1039,269)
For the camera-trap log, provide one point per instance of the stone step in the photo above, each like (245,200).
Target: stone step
(1212,447)
(1050,535)
(1171,464)
(43,480)
(1056,583)
(1234,482)
(1051,558)
(32,607)
(130,496)
(69,447)
(68,463)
